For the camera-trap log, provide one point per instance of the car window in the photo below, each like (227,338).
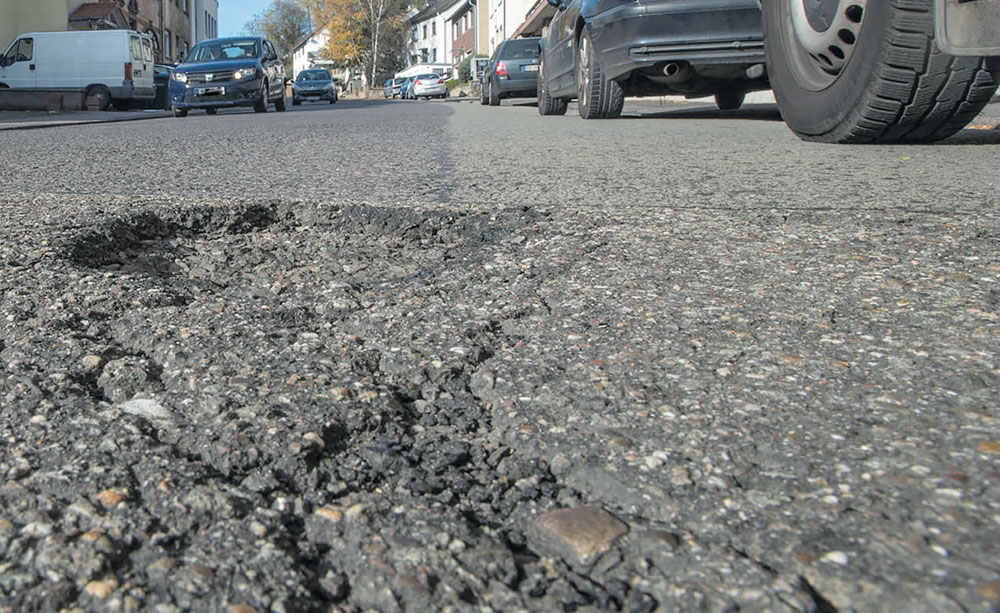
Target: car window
(521,49)
(427,76)
(22,50)
(224,49)
(269,50)
(313,75)
(147,50)
(136,47)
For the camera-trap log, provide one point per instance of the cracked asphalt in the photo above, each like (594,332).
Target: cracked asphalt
(404,356)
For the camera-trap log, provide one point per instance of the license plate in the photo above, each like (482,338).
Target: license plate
(211,91)
(530,68)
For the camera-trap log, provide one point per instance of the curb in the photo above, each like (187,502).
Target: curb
(32,124)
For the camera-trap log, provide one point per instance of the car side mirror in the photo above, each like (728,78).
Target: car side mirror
(6,61)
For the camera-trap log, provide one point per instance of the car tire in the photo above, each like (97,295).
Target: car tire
(892,84)
(547,105)
(730,99)
(211,111)
(180,112)
(483,95)
(494,95)
(260,105)
(103,95)
(280,104)
(597,97)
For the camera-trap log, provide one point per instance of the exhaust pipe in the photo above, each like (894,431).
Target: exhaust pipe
(677,72)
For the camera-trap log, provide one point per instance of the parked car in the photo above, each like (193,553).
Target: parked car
(405,88)
(600,52)
(512,71)
(161,79)
(392,86)
(429,86)
(113,66)
(314,84)
(228,72)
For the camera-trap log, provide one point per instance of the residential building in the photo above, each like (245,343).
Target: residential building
(505,16)
(204,20)
(167,21)
(308,53)
(469,29)
(432,33)
(175,35)
(34,16)
(536,22)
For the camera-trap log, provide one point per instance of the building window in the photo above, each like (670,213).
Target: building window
(415,33)
(425,31)
(167,39)
(434,28)
(434,54)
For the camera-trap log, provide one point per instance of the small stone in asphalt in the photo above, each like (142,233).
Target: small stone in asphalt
(580,535)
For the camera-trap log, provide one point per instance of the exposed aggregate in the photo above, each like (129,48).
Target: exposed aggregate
(497,377)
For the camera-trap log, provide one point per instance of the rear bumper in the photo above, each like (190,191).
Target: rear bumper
(637,34)
(430,90)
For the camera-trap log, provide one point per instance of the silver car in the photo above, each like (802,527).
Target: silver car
(429,86)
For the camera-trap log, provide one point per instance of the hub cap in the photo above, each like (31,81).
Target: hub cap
(828,32)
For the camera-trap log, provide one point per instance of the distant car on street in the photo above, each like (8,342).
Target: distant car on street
(314,84)
(228,72)
(429,86)
(512,71)
(392,86)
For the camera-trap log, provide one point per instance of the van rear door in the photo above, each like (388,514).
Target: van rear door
(142,67)
(18,68)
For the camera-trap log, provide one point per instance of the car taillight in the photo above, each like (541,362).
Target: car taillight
(128,71)
(419,82)
(501,68)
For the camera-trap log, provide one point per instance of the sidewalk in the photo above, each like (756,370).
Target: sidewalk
(30,120)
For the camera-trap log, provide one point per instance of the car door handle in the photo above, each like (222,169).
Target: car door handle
(31,66)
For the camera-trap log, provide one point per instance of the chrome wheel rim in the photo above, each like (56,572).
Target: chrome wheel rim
(583,78)
(826,35)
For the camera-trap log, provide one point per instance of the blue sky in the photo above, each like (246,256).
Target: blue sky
(233,14)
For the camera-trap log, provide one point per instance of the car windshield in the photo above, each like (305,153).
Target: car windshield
(224,49)
(520,49)
(313,75)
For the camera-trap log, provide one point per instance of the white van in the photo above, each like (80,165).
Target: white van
(116,66)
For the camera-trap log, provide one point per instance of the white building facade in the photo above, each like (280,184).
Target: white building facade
(506,16)
(431,36)
(308,53)
(205,20)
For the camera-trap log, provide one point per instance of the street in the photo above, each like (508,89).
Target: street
(414,356)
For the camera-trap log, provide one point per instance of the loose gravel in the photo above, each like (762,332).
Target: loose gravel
(497,377)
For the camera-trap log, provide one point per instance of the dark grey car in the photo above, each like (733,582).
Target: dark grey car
(512,71)
(314,84)
(226,73)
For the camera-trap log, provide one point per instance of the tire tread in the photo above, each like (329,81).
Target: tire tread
(920,94)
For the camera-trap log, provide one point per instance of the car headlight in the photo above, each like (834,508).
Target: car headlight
(180,77)
(245,73)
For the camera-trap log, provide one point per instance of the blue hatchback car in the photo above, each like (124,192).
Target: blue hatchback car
(228,72)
